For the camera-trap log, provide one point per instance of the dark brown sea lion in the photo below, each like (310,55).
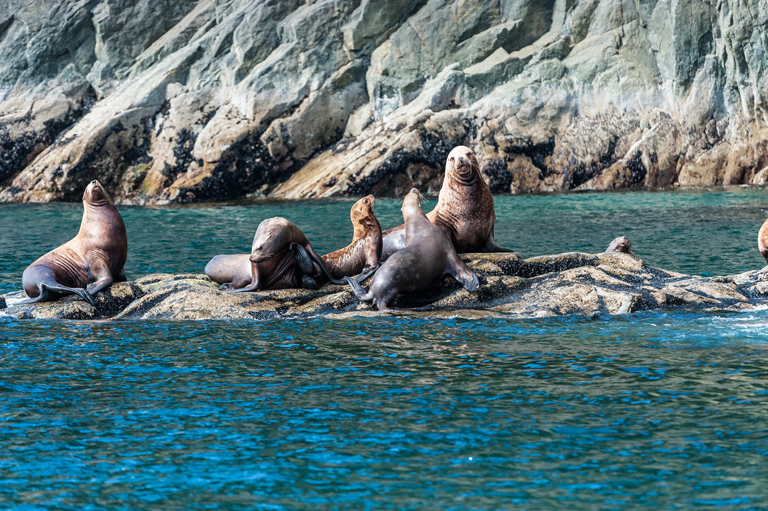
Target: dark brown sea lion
(89,262)
(362,255)
(620,244)
(427,257)
(281,258)
(762,239)
(464,209)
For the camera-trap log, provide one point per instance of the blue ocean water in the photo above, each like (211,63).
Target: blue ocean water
(656,410)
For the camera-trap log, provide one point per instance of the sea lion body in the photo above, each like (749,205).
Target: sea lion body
(90,261)
(464,210)
(620,244)
(362,255)
(762,240)
(428,255)
(273,262)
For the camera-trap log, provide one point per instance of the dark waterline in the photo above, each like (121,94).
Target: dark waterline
(652,410)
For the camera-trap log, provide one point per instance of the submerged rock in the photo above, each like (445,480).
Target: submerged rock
(510,286)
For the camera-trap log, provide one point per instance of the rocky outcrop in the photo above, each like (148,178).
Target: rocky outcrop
(510,286)
(175,101)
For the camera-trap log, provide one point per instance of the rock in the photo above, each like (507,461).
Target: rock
(510,286)
(175,101)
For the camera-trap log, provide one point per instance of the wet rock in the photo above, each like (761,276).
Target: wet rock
(109,302)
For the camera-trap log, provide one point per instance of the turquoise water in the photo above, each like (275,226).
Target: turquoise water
(645,411)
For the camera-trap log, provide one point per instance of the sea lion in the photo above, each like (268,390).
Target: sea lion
(620,244)
(281,258)
(428,255)
(89,262)
(362,255)
(464,209)
(762,239)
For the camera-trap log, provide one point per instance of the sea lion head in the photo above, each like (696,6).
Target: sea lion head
(412,204)
(462,164)
(362,208)
(363,219)
(272,237)
(95,195)
(620,244)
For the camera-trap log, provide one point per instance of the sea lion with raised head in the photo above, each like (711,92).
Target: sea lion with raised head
(362,255)
(427,257)
(464,209)
(620,244)
(89,262)
(281,258)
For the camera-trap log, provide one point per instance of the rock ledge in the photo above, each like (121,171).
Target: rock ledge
(558,285)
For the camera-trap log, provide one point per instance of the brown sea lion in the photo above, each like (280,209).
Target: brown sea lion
(620,244)
(281,258)
(89,262)
(427,257)
(362,255)
(762,239)
(464,209)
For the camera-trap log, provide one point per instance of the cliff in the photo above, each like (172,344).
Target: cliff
(176,101)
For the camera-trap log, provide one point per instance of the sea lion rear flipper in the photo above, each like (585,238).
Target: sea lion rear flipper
(304,260)
(252,286)
(491,246)
(358,290)
(367,272)
(461,272)
(305,256)
(308,282)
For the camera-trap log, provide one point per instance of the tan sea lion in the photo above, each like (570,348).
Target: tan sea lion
(281,258)
(362,255)
(464,209)
(762,239)
(620,244)
(427,257)
(90,261)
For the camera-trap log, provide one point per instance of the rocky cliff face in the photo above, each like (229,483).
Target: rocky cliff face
(175,101)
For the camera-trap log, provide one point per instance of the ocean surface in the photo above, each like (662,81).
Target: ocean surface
(655,410)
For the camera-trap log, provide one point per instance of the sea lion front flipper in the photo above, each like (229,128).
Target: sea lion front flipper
(491,246)
(100,270)
(310,255)
(121,277)
(461,272)
(64,290)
